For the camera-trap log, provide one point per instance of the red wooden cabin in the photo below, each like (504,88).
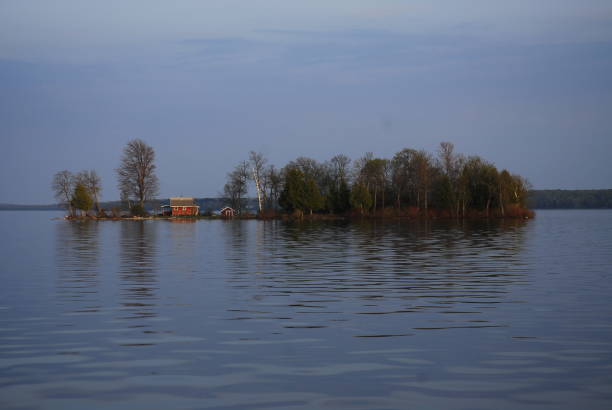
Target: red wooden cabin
(184,206)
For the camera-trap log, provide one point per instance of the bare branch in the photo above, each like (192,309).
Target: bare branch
(63,185)
(136,172)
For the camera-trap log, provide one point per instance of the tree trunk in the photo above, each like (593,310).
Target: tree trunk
(375,194)
(258,188)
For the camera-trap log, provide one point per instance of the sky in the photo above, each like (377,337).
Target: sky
(525,84)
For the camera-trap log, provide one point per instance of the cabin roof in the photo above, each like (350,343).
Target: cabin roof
(182,201)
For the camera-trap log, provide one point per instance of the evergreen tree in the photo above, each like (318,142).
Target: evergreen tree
(293,195)
(81,198)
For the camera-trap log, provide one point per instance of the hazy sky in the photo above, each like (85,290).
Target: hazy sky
(526,84)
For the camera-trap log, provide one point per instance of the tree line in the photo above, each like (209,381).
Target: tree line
(136,181)
(412,182)
(571,199)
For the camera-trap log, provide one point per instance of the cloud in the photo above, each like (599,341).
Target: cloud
(220,46)
(353,56)
(348,49)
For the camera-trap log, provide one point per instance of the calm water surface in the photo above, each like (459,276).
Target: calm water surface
(248,314)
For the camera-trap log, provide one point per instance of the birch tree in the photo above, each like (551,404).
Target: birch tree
(257,163)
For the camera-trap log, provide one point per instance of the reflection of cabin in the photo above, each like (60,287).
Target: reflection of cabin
(181,206)
(227,212)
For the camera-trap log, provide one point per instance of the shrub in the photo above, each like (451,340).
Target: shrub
(138,210)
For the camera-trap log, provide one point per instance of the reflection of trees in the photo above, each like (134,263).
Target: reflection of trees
(315,246)
(236,234)
(395,266)
(77,253)
(249,245)
(427,245)
(137,269)
(466,247)
(459,268)
(182,240)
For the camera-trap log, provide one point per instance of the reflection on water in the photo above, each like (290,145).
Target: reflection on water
(138,268)
(77,251)
(318,274)
(371,314)
(183,244)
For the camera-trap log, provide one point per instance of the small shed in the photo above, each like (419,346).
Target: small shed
(165,210)
(227,212)
(184,206)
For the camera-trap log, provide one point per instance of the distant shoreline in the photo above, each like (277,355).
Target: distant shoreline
(538,199)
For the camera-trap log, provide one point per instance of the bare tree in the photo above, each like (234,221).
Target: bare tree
(274,186)
(423,167)
(311,168)
(243,175)
(450,164)
(257,163)
(91,181)
(520,189)
(136,172)
(308,166)
(403,174)
(359,166)
(448,159)
(232,192)
(375,175)
(270,185)
(460,187)
(63,187)
(372,173)
(236,186)
(339,165)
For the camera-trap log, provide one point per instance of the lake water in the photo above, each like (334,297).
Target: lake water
(326,315)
